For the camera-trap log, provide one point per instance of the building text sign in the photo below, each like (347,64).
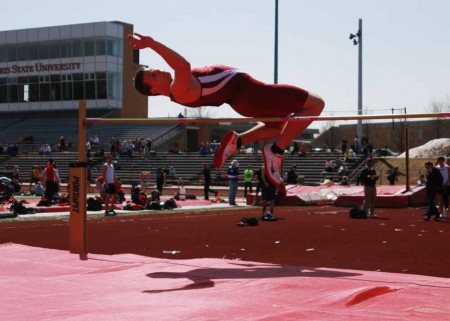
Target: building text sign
(39,67)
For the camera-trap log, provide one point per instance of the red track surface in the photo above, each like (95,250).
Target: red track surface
(397,241)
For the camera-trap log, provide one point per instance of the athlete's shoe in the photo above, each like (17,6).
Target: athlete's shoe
(228,147)
(273,165)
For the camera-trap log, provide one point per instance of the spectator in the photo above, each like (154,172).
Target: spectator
(259,180)
(393,176)
(172,172)
(255,148)
(202,149)
(347,156)
(15,173)
(69,143)
(88,149)
(329,165)
(268,194)
(369,178)
(233,179)
(112,147)
(207,182)
(434,184)
(51,179)
(344,144)
(38,189)
(95,142)
(344,181)
(160,178)
(36,176)
(110,188)
(100,184)
(444,169)
(422,181)
(352,156)
(248,180)
(149,145)
(138,197)
(295,148)
(292,175)
(117,147)
(302,150)
(337,163)
(130,148)
(327,182)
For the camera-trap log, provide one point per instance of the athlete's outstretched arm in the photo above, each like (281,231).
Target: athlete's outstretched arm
(172,58)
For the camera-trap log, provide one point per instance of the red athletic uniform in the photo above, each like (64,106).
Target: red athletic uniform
(246,95)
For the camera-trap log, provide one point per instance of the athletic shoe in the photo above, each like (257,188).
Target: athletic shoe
(444,214)
(273,165)
(228,147)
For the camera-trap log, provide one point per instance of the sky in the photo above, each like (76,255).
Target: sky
(406,44)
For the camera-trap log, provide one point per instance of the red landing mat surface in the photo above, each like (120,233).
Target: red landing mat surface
(318,265)
(44,284)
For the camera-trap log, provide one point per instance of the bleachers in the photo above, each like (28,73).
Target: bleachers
(188,165)
(49,130)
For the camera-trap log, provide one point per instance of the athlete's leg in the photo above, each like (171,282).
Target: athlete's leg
(273,154)
(287,131)
(312,107)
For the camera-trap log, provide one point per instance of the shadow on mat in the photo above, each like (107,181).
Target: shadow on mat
(203,277)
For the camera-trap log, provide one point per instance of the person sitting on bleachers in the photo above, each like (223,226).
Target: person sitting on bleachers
(202,149)
(329,165)
(95,141)
(352,156)
(61,144)
(47,149)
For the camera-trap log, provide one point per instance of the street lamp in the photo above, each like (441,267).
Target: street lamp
(357,40)
(275,72)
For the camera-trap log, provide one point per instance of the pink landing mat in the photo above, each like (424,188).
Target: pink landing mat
(44,284)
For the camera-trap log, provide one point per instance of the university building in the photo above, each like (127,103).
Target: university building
(50,69)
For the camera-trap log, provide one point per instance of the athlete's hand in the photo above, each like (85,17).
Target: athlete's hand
(139,41)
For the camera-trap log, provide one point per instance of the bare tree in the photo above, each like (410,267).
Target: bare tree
(439,106)
(331,134)
(201,112)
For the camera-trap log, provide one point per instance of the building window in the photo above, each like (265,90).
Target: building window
(12,53)
(89,47)
(3,55)
(13,92)
(3,91)
(33,51)
(22,54)
(43,50)
(65,49)
(100,47)
(77,48)
(54,50)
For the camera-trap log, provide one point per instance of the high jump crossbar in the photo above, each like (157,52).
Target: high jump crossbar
(261,119)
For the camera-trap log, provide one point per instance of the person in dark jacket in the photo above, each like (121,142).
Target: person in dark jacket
(207,182)
(434,184)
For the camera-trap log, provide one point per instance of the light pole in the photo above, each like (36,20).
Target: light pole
(275,72)
(357,40)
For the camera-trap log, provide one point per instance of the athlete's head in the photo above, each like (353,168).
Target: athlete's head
(152,82)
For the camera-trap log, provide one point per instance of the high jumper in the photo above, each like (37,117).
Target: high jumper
(218,84)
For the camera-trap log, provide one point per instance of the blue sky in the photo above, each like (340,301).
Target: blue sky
(406,44)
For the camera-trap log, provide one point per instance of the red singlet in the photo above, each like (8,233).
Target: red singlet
(246,95)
